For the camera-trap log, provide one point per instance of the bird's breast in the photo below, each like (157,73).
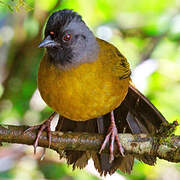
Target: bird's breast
(82,93)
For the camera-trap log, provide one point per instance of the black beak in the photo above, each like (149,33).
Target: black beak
(48,42)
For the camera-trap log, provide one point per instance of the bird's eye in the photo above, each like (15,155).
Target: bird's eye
(52,34)
(67,37)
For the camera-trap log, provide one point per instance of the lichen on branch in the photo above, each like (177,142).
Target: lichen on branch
(137,144)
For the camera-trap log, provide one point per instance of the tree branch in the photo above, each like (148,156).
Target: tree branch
(140,144)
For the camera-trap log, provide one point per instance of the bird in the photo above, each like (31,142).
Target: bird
(86,80)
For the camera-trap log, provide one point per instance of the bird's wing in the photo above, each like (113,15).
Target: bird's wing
(113,60)
(121,66)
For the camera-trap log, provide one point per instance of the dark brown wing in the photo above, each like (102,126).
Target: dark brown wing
(136,114)
(143,116)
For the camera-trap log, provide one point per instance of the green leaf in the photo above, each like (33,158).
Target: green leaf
(10,8)
(2,2)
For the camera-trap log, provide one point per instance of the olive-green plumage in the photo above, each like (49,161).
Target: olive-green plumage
(88,90)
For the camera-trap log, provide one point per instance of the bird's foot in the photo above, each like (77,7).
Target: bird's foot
(42,127)
(110,137)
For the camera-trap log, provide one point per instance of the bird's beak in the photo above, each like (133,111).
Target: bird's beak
(48,42)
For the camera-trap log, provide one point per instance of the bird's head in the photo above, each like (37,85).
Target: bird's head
(68,40)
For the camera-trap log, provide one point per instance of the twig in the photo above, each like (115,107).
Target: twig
(133,144)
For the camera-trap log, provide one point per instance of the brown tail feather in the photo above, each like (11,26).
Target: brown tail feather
(143,111)
(135,115)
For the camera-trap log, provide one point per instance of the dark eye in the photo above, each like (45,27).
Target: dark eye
(51,34)
(67,37)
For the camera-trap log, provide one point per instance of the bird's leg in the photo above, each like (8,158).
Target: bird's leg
(111,136)
(41,128)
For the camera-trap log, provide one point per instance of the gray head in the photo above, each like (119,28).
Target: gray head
(68,40)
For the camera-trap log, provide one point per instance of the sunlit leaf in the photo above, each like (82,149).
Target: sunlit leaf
(46,5)
(10,8)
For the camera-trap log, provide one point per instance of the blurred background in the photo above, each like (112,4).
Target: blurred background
(146,32)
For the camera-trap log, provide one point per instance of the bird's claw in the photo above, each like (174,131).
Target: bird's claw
(42,127)
(111,137)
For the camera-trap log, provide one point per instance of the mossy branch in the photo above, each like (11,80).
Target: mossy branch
(133,144)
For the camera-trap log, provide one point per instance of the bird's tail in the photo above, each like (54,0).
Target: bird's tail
(135,115)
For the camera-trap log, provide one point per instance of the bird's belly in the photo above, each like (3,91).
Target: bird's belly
(80,98)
